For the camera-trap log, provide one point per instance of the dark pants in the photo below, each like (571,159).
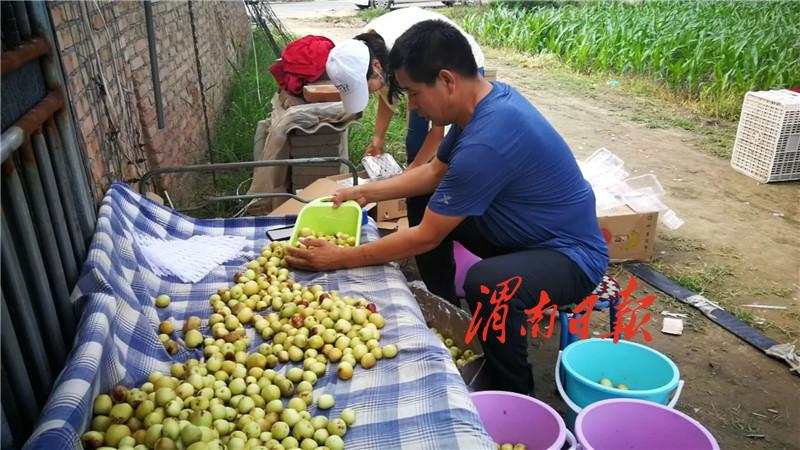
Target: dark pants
(540,269)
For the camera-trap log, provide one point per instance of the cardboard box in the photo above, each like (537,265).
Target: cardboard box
(391,209)
(385,211)
(630,235)
(453,322)
(317,189)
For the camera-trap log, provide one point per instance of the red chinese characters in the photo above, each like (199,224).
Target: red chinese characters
(536,315)
(579,323)
(626,324)
(497,319)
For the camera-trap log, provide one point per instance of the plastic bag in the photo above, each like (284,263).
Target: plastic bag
(614,187)
(381,167)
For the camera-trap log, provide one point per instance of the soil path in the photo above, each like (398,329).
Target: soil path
(741,240)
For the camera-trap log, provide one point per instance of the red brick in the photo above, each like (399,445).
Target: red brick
(87,126)
(137,62)
(70,61)
(140,46)
(65,38)
(96,19)
(57,15)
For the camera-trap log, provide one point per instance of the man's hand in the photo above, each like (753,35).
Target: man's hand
(351,193)
(375,148)
(320,256)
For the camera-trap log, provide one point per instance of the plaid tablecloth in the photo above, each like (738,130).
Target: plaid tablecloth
(414,401)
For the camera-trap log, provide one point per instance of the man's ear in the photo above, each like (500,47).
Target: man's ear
(449,80)
(376,66)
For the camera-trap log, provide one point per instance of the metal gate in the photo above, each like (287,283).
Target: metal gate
(48,216)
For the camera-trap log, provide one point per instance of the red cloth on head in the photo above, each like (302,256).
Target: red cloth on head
(302,62)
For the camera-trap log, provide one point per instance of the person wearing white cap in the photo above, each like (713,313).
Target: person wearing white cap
(368,54)
(357,73)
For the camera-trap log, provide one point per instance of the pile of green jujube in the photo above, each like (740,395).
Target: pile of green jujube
(234,407)
(460,357)
(233,398)
(340,239)
(508,446)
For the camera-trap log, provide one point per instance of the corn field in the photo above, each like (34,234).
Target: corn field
(714,51)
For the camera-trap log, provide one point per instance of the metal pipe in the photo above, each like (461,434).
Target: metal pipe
(154,74)
(21,311)
(23,24)
(31,258)
(212,198)
(46,239)
(30,121)
(6,435)
(248,165)
(69,261)
(10,141)
(26,52)
(84,195)
(36,116)
(52,65)
(15,373)
(64,179)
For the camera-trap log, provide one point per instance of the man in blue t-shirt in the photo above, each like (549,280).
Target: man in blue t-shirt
(503,183)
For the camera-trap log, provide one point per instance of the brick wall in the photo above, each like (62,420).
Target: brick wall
(104,50)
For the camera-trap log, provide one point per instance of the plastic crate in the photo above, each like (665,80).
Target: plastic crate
(767,145)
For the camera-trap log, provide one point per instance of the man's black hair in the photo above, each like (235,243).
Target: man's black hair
(430,46)
(377,50)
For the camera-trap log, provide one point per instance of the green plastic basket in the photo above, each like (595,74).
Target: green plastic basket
(320,216)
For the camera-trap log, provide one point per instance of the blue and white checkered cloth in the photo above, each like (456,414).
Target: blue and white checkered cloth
(414,401)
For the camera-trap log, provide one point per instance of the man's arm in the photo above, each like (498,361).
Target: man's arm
(429,147)
(411,183)
(382,119)
(322,255)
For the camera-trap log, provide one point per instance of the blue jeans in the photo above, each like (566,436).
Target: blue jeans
(417,132)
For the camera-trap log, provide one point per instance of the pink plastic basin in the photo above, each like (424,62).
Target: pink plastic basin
(514,418)
(639,425)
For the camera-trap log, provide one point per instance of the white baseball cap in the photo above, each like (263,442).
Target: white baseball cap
(347,67)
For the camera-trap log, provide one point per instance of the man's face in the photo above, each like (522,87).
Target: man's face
(429,101)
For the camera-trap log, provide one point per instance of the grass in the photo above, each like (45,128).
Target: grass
(710,280)
(249,102)
(712,51)
(360,135)
(251,89)
(704,279)
(682,244)
(369,14)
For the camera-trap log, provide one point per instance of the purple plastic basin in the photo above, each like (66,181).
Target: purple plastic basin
(514,418)
(639,425)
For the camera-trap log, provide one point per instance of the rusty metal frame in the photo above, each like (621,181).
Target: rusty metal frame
(248,165)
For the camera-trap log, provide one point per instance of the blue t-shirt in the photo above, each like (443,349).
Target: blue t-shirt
(512,171)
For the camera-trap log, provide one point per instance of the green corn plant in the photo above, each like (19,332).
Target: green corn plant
(710,50)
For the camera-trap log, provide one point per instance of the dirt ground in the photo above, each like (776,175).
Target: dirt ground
(740,243)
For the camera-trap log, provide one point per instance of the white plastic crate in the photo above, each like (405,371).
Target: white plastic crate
(767,145)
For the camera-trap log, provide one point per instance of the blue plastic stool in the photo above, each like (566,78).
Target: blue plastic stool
(607,293)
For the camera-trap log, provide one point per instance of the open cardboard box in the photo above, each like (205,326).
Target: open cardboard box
(389,214)
(453,322)
(630,236)
(321,188)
